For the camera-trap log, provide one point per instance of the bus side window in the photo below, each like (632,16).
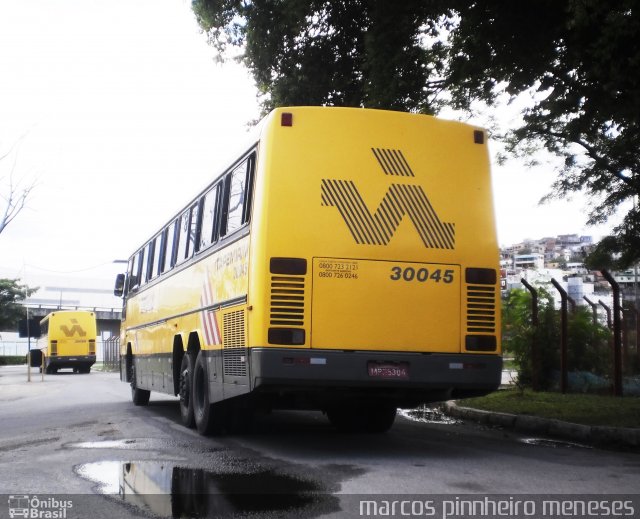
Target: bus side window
(149,259)
(187,234)
(157,254)
(210,207)
(163,251)
(251,161)
(194,220)
(169,249)
(135,271)
(236,183)
(183,235)
(144,264)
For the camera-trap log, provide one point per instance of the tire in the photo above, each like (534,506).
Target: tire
(368,419)
(139,396)
(208,417)
(185,389)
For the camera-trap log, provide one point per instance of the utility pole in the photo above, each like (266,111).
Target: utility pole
(28,342)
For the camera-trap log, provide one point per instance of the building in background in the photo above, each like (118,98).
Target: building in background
(68,292)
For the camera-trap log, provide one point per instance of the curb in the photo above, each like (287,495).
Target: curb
(590,434)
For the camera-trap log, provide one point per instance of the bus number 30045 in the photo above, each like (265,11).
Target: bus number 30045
(422,275)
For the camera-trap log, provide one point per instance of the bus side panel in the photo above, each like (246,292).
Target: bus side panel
(190,310)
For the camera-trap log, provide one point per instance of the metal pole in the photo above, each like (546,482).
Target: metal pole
(625,335)
(28,344)
(564,336)
(637,335)
(535,350)
(594,309)
(609,325)
(608,310)
(617,338)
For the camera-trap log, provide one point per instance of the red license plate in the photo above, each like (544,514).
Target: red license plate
(388,370)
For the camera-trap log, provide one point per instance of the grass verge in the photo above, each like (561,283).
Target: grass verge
(576,408)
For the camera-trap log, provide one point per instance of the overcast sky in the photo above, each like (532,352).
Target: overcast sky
(121,115)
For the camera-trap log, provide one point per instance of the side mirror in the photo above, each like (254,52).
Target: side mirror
(118,291)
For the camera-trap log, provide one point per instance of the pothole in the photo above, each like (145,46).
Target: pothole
(426,414)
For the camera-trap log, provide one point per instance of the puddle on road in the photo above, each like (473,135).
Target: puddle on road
(426,414)
(107,444)
(169,490)
(105,473)
(556,444)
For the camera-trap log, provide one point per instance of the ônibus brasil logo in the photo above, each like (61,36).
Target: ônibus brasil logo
(38,508)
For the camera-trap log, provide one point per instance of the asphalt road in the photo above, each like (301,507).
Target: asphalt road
(79,438)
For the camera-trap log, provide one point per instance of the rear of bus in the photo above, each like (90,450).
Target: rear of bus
(71,341)
(373,277)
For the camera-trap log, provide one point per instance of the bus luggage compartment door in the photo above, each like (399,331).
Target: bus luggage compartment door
(385,306)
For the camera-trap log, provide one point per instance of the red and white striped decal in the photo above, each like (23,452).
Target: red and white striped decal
(208,317)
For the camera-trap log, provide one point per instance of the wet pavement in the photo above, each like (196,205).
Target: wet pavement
(80,436)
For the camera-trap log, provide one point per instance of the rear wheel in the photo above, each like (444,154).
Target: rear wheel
(367,418)
(139,396)
(208,417)
(186,402)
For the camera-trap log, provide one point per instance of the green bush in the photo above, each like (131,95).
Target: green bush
(12,360)
(588,349)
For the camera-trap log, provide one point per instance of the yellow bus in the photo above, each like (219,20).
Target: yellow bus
(346,261)
(68,341)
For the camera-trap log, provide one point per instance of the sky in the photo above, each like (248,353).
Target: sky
(119,113)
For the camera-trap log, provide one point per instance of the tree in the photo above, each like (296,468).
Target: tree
(578,60)
(11,294)
(15,194)
(342,52)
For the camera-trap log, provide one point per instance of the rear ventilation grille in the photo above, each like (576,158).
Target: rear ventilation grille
(234,353)
(287,301)
(481,309)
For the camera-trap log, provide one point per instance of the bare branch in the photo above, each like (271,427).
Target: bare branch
(17,197)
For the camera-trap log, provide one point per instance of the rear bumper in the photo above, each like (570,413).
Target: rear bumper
(72,361)
(342,374)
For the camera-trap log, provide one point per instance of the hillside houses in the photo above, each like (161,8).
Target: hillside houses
(562,258)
